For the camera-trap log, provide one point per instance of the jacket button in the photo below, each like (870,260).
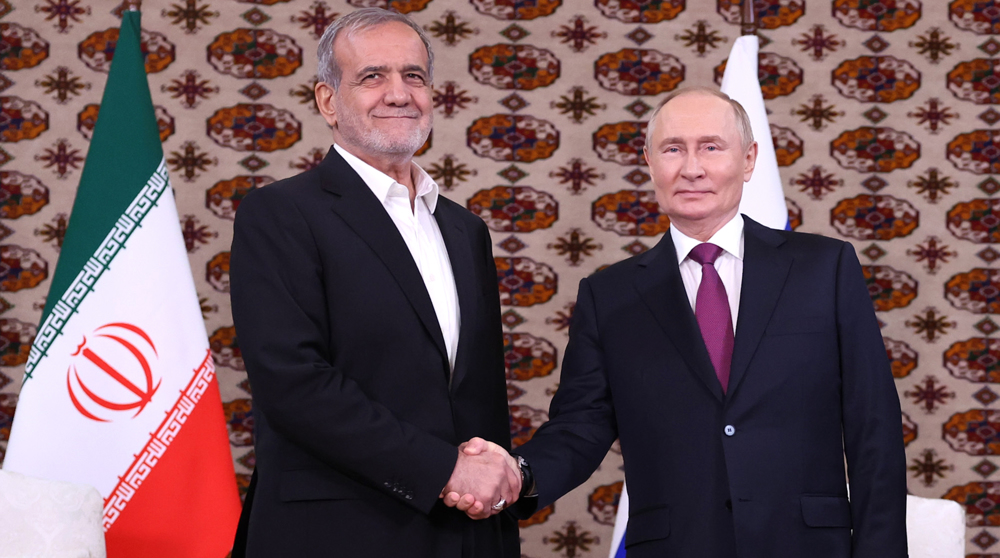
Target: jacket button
(729,504)
(729,430)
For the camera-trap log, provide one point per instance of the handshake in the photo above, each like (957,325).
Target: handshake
(486,480)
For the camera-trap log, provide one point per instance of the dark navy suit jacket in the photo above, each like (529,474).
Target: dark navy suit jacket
(356,418)
(758,471)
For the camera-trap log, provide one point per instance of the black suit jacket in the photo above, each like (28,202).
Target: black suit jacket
(357,416)
(757,471)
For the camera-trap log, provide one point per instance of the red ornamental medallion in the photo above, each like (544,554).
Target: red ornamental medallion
(110,372)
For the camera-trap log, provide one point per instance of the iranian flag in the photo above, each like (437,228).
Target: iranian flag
(119,389)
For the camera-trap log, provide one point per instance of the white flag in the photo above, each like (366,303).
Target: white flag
(763,197)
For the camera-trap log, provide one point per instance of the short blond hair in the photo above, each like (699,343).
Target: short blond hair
(742,119)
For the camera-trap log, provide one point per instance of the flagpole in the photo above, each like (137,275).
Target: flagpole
(748,18)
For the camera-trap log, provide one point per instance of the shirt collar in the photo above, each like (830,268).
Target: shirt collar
(729,238)
(382,184)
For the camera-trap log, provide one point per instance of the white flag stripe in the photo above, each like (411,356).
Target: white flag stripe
(763,196)
(621,520)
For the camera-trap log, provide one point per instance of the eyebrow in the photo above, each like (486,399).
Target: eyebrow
(414,68)
(372,70)
(702,139)
(385,69)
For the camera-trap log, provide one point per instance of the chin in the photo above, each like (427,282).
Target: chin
(396,144)
(696,211)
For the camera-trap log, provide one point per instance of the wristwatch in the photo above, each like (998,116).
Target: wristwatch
(527,479)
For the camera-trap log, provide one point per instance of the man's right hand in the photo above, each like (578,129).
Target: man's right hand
(484,474)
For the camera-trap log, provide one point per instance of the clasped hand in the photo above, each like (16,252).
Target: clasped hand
(485,474)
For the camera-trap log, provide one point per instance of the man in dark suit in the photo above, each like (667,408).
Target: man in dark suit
(733,438)
(367,311)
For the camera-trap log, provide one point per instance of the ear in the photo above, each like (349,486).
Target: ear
(750,162)
(645,153)
(325,93)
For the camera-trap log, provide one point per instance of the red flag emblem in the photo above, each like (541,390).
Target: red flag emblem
(111,372)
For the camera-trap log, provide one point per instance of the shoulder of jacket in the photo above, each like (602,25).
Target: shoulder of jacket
(617,273)
(294,191)
(811,241)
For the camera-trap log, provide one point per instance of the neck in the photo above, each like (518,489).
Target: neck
(397,166)
(398,171)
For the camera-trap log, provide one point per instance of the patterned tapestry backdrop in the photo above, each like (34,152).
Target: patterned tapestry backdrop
(883,115)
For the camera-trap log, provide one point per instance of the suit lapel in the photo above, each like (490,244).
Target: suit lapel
(660,286)
(765,269)
(456,240)
(364,213)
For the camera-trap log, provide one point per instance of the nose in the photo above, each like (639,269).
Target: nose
(397,93)
(692,169)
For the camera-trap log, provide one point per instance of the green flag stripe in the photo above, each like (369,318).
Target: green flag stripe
(95,266)
(124,150)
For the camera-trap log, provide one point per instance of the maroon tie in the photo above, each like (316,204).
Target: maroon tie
(712,311)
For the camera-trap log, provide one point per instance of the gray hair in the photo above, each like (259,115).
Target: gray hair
(329,71)
(742,120)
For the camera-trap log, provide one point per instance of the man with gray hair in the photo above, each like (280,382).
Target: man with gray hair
(738,366)
(368,315)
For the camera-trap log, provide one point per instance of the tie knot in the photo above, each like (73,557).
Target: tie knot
(705,253)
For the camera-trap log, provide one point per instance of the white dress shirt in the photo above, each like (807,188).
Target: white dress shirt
(420,231)
(729,264)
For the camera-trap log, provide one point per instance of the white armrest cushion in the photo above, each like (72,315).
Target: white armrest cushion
(49,518)
(935,528)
